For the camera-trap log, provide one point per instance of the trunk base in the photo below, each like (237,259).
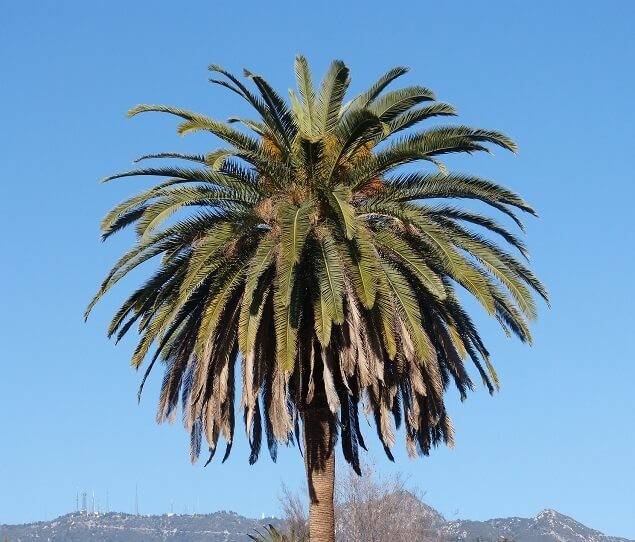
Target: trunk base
(319,460)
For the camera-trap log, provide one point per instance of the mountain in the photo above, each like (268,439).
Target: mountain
(548,526)
(115,527)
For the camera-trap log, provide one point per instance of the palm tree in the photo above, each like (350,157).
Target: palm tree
(305,255)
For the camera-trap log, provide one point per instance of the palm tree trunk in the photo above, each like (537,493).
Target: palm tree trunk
(319,459)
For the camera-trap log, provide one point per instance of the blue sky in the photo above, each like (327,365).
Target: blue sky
(556,76)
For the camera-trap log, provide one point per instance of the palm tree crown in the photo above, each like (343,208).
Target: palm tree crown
(307,255)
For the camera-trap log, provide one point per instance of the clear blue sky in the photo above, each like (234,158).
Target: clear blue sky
(557,76)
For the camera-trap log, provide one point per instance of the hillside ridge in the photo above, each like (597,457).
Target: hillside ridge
(547,526)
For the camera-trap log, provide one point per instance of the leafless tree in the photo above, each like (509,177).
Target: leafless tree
(369,508)
(295,513)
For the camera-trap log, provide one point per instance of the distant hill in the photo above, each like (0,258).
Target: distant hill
(548,526)
(116,527)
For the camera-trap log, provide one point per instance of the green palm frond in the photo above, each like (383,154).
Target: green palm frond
(279,112)
(270,534)
(407,310)
(397,246)
(384,315)
(227,280)
(198,158)
(340,201)
(193,122)
(233,83)
(330,277)
(448,134)
(286,315)
(295,223)
(411,117)
(331,96)
(254,294)
(361,262)
(447,211)
(306,114)
(365,98)
(399,101)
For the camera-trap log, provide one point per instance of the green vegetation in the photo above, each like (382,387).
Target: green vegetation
(304,250)
(270,535)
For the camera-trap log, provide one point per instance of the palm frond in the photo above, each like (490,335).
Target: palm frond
(395,103)
(307,93)
(177,155)
(412,117)
(330,277)
(294,228)
(278,110)
(331,95)
(365,99)
(417,186)
(361,263)
(340,201)
(397,246)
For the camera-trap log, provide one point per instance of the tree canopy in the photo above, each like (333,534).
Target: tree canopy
(318,254)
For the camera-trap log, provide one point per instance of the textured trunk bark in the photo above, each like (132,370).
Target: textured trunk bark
(319,460)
